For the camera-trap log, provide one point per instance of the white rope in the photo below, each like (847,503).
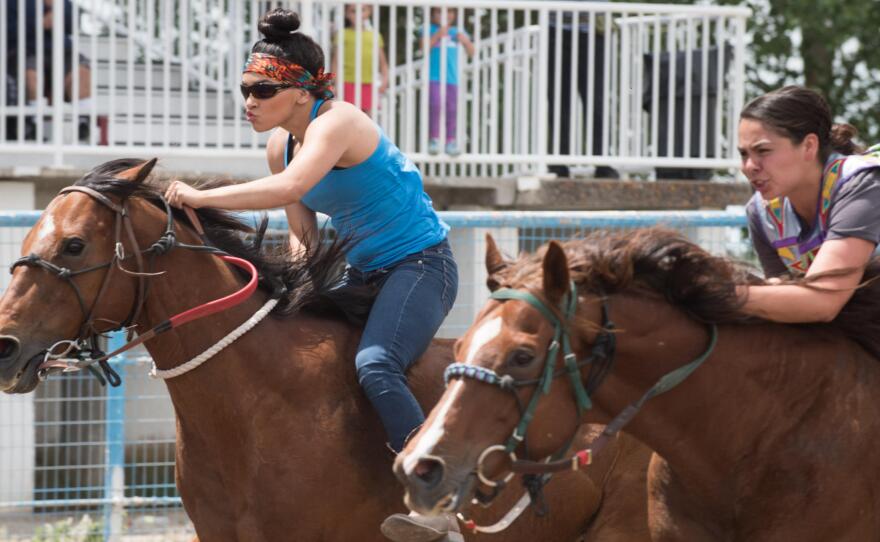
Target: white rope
(155,372)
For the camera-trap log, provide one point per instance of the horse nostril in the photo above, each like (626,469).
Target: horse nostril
(9,348)
(429,471)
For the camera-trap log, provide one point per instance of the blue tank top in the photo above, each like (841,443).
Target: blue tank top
(380,203)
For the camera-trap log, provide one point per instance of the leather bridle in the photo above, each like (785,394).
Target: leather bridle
(84,351)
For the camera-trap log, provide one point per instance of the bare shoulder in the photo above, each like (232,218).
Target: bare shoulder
(342,117)
(275,148)
(345,127)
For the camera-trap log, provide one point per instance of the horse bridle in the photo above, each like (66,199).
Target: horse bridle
(600,360)
(85,347)
(86,341)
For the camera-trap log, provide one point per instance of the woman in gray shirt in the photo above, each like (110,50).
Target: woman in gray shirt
(816,206)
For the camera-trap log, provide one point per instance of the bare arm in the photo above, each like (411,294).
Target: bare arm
(301,220)
(435,39)
(327,139)
(466,42)
(303,226)
(793,303)
(383,70)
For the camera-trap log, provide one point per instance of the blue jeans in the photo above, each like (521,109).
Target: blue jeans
(415,296)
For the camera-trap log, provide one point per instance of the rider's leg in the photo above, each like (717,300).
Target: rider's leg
(415,296)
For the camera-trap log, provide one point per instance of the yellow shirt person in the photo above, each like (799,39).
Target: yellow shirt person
(351,59)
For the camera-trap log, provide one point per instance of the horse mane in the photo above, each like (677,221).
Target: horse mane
(310,280)
(664,262)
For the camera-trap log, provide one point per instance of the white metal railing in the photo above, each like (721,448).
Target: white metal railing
(626,86)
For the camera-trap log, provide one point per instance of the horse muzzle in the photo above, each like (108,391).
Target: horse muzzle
(18,366)
(432,486)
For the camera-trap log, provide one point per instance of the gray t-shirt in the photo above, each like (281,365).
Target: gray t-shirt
(855,212)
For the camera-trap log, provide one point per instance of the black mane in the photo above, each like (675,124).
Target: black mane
(309,280)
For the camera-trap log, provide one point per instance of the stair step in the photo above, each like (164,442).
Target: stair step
(101,72)
(107,45)
(141,131)
(195,103)
(100,58)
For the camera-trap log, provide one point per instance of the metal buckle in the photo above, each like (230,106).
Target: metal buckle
(482,458)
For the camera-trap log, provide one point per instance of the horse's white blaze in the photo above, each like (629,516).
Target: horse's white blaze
(47,227)
(430,438)
(482,336)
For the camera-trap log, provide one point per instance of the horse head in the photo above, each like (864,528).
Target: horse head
(508,347)
(547,353)
(73,242)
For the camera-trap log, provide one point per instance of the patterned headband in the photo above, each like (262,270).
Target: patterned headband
(295,75)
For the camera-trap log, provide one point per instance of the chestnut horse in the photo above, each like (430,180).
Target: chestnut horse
(771,437)
(275,440)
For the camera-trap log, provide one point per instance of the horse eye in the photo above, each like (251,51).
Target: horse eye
(74,247)
(520,358)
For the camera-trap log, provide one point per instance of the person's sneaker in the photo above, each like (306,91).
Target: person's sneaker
(433,146)
(414,527)
(452,149)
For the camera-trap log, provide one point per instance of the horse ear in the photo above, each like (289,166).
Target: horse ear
(556,276)
(138,173)
(495,263)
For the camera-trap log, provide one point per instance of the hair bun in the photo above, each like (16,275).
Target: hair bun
(843,138)
(278,24)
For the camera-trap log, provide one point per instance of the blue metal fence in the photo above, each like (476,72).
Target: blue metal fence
(81,462)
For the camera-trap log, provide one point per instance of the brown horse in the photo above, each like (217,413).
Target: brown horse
(772,438)
(275,440)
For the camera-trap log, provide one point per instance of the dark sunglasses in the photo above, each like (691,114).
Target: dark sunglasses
(263,91)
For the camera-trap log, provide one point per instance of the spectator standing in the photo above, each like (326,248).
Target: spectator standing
(576,23)
(445,35)
(27,35)
(351,59)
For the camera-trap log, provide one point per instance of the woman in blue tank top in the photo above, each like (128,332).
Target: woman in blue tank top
(330,157)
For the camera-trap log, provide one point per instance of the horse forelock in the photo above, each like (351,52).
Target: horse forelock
(309,281)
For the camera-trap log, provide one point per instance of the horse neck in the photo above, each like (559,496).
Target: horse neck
(750,392)
(303,357)
(263,357)
(192,279)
